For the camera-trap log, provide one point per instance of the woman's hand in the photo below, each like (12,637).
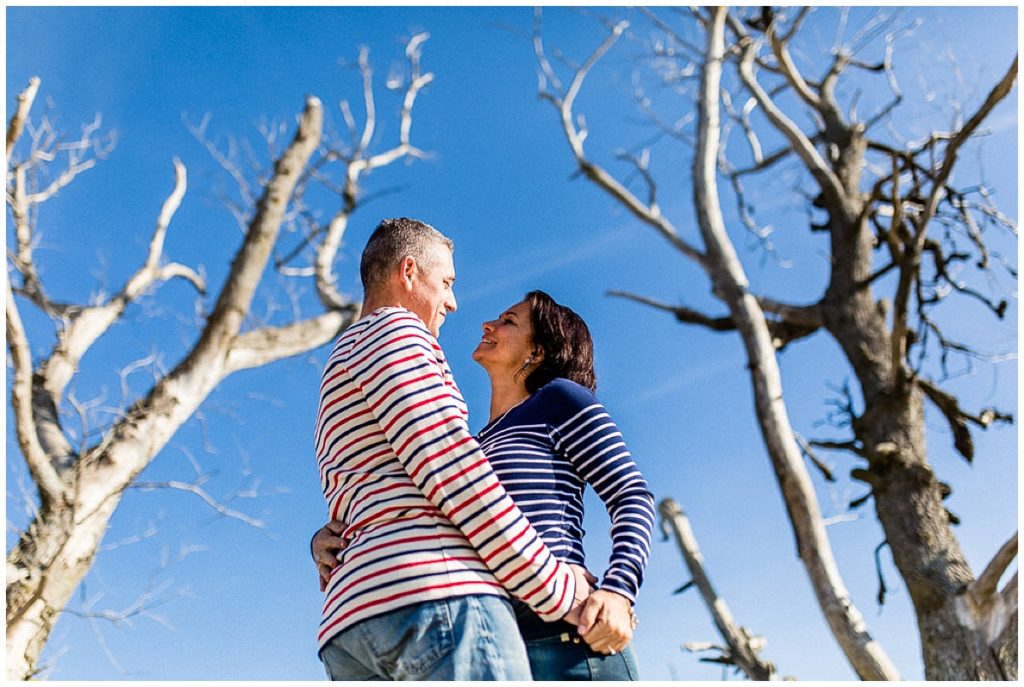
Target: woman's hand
(607,621)
(585,582)
(325,548)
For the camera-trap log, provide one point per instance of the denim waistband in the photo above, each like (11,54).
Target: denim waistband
(531,626)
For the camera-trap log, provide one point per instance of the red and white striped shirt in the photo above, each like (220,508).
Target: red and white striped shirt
(425,515)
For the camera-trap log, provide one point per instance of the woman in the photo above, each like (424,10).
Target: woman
(547,438)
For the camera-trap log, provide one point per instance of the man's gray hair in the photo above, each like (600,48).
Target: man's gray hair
(391,242)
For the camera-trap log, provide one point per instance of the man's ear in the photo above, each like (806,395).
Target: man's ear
(408,270)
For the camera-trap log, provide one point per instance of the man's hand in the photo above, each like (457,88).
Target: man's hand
(325,548)
(606,621)
(584,586)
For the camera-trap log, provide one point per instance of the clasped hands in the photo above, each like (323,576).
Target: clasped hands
(603,618)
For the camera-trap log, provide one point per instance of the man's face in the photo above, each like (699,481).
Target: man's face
(431,295)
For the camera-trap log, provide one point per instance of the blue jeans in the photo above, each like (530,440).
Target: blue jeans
(557,652)
(462,638)
(567,657)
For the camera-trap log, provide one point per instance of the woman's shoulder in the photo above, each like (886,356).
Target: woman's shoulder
(567,392)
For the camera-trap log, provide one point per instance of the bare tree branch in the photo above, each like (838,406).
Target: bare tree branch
(942,263)
(997,94)
(681,313)
(359,164)
(195,487)
(670,32)
(893,86)
(908,267)
(958,418)
(741,651)
(37,457)
(77,163)
(795,322)
(988,581)
(989,611)
(808,451)
(649,214)
(263,346)
(851,446)
(39,465)
(911,262)
(225,161)
(765,163)
(789,70)
(88,324)
(20,116)
(21,207)
(801,144)
(730,284)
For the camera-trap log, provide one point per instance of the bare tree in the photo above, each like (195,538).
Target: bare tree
(80,486)
(886,204)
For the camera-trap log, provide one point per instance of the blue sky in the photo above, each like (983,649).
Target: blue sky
(240,603)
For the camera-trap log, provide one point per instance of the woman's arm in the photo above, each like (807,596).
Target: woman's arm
(592,443)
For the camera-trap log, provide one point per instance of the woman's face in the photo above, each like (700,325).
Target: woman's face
(507,342)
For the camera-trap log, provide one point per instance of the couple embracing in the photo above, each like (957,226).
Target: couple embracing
(454,557)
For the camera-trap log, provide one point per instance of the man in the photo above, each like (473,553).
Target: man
(434,544)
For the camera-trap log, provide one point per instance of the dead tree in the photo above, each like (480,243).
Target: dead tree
(80,486)
(967,625)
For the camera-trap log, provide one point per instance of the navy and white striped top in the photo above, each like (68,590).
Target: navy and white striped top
(425,515)
(546,450)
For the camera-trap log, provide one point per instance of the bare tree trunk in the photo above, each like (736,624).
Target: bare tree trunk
(50,560)
(730,284)
(908,497)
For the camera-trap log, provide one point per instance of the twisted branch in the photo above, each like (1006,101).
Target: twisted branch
(958,418)
(819,168)
(909,270)
(794,322)
(359,164)
(649,214)
(88,324)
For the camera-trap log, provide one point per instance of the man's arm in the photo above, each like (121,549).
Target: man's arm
(325,546)
(422,418)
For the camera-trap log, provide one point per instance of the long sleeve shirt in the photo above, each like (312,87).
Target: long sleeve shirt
(546,450)
(425,515)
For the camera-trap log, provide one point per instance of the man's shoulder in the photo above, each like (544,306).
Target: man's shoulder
(387,326)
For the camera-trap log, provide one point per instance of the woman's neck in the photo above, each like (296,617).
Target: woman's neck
(505,395)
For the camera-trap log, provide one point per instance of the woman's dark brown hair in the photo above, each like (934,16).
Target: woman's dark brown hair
(565,340)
